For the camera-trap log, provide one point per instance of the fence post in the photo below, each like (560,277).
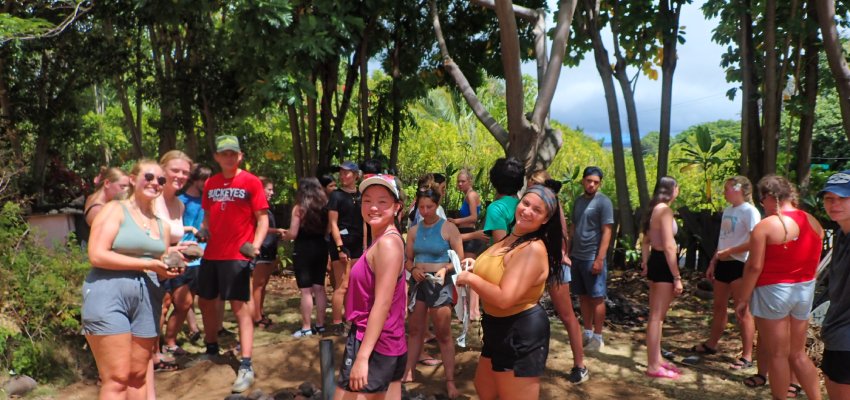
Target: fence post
(326,357)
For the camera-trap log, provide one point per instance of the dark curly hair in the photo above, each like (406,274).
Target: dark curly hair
(507,176)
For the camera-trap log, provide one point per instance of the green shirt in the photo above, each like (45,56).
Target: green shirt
(500,215)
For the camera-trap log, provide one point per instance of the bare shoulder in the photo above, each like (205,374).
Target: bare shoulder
(450,229)
(112,211)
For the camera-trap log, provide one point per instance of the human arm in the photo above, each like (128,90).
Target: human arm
(336,237)
(416,272)
(525,266)
(451,234)
(262,217)
(294,224)
(753,266)
(645,250)
(101,255)
(477,235)
(386,262)
(473,199)
(668,244)
(603,250)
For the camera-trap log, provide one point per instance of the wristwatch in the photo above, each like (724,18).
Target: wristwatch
(339,249)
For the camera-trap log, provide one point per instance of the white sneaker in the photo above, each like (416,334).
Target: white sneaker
(585,337)
(244,380)
(594,344)
(303,333)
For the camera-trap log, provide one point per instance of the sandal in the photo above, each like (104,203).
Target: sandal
(165,366)
(741,363)
(194,336)
(703,348)
(175,351)
(671,367)
(663,373)
(755,380)
(794,391)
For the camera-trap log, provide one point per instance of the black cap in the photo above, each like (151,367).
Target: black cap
(592,171)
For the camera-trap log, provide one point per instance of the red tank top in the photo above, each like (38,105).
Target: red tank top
(795,261)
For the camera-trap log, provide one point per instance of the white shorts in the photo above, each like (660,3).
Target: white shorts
(779,300)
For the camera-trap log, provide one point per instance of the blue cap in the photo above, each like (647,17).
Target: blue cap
(838,183)
(349,165)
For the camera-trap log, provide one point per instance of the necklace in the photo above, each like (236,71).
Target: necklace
(145,219)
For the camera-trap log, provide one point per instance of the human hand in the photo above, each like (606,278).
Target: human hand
(678,287)
(741,309)
(565,259)
(643,268)
(359,374)
(596,269)
(467,264)
(723,253)
(417,274)
(709,273)
(162,270)
(464,277)
(441,273)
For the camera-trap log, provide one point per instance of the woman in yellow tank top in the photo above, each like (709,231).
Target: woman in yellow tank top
(510,277)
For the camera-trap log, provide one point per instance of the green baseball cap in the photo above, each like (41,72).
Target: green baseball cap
(227,142)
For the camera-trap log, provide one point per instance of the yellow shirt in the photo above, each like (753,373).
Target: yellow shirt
(491,268)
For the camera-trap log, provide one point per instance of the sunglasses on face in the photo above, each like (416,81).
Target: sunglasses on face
(149,176)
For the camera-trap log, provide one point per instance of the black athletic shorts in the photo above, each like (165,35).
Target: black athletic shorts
(351,245)
(518,343)
(728,271)
(224,279)
(188,277)
(657,268)
(836,366)
(476,246)
(382,369)
(310,261)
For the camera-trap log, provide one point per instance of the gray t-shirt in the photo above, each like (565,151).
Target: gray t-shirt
(589,216)
(835,332)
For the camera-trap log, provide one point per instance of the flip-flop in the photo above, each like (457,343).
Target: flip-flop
(703,348)
(755,380)
(794,391)
(671,367)
(431,362)
(165,366)
(741,363)
(663,373)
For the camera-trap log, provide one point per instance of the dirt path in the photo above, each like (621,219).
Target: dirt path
(283,363)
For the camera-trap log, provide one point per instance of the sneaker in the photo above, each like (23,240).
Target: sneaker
(319,330)
(579,375)
(585,337)
(244,380)
(175,351)
(303,333)
(594,344)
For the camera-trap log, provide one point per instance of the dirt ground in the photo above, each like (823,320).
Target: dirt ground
(283,363)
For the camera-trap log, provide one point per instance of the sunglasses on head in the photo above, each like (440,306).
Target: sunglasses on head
(149,176)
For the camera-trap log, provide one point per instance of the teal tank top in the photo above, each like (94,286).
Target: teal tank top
(429,246)
(132,240)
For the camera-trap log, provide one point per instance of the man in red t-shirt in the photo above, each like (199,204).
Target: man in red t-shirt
(235,213)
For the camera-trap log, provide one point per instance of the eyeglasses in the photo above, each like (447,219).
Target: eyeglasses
(149,176)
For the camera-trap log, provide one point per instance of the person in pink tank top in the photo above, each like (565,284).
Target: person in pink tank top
(376,348)
(778,286)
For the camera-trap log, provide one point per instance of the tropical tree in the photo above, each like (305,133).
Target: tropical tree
(703,153)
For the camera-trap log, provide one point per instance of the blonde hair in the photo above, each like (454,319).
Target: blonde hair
(111,174)
(743,184)
(539,177)
(137,168)
(174,155)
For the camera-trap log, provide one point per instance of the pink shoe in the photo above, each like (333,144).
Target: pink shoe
(663,373)
(671,367)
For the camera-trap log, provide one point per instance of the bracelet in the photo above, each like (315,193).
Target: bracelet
(339,249)
(677,278)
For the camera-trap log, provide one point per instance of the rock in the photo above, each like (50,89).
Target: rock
(706,285)
(193,252)
(20,385)
(300,397)
(236,397)
(257,394)
(283,395)
(704,294)
(247,249)
(307,389)
(174,261)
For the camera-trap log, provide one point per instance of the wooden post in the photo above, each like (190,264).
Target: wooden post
(326,356)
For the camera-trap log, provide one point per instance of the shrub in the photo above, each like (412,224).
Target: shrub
(40,299)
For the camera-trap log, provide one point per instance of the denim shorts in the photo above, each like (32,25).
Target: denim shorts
(584,283)
(118,302)
(780,300)
(566,274)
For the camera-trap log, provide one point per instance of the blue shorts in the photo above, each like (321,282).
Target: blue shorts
(586,284)
(117,302)
(780,300)
(566,274)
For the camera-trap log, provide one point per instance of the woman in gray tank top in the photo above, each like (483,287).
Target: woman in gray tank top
(122,296)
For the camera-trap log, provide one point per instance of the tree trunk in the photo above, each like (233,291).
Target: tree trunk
(771,112)
(634,131)
(8,129)
(603,66)
(835,56)
(350,77)
(297,146)
(208,120)
(669,17)
(312,119)
(751,141)
(330,73)
(365,134)
(396,104)
(129,119)
(810,95)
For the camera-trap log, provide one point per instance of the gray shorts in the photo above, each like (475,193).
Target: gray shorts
(779,300)
(566,273)
(117,302)
(432,294)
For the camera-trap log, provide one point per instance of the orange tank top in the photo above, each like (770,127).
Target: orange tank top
(491,268)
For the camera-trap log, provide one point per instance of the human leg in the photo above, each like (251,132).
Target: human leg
(745,324)
(182,304)
(306,307)
(774,335)
(122,362)
(719,314)
(262,273)
(441,318)
(509,386)
(660,297)
(801,365)
(341,270)
(416,326)
(485,379)
(321,301)
(560,295)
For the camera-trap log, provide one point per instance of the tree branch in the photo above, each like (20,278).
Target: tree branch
(525,13)
(566,11)
(514,95)
(465,88)
(79,10)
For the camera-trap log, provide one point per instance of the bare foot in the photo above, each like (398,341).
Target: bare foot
(451,390)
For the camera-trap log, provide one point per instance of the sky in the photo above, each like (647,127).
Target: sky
(699,86)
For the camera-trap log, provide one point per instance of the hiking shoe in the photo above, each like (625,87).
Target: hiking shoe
(579,375)
(594,344)
(244,380)
(223,332)
(303,333)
